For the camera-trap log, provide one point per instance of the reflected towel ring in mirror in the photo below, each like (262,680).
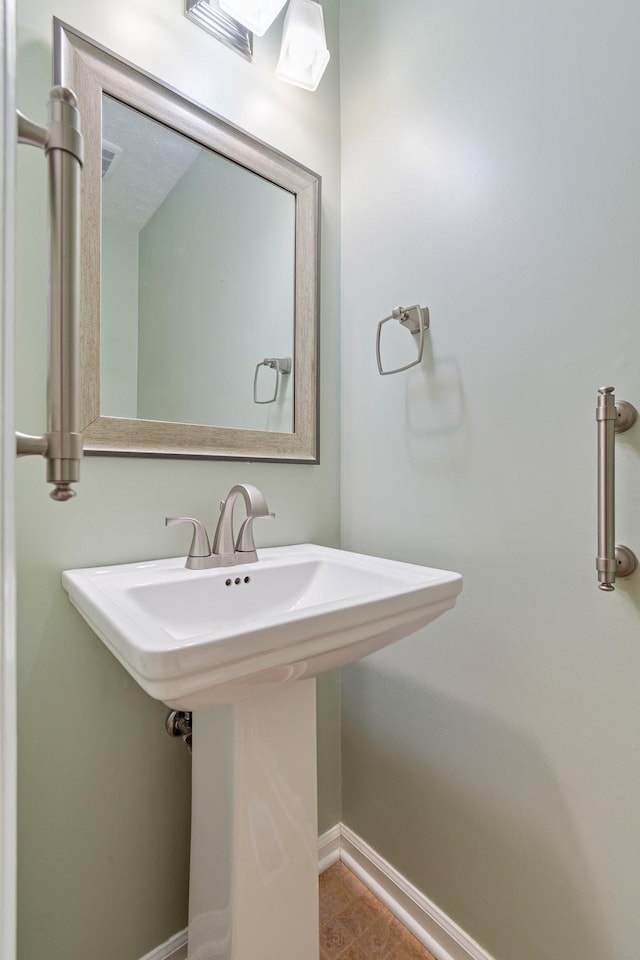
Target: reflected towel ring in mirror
(280,365)
(416,320)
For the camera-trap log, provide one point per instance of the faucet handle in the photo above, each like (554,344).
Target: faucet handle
(200,546)
(245,543)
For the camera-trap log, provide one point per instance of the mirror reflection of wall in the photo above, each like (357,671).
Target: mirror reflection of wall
(198,260)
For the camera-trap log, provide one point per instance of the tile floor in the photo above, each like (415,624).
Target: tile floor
(354,925)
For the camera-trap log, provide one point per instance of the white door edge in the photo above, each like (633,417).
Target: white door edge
(7,461)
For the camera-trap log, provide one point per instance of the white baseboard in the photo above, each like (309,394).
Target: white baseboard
(329,848)
(433,928)
(175,948)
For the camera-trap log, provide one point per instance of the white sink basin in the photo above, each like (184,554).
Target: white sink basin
(198,639)
(193,638)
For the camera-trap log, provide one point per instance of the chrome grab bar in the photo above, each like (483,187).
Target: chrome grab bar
(613,559)
(62,143)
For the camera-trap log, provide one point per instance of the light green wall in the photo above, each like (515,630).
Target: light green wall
(224,239)
(103,793)
(119,320)
(490,170)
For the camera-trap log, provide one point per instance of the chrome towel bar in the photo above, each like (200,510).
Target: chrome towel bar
(62,143)
(613,559)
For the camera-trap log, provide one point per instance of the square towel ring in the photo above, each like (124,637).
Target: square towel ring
(280,365)
(416,320)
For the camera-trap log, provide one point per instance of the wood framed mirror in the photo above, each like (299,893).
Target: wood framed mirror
(200,273)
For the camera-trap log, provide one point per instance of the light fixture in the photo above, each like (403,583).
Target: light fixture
(208,15)
(304,54)
(255,15)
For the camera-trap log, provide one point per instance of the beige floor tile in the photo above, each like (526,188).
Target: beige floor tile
(354,952)
(406,950)
(351,883)
(334,899)
(334,938)
(358,917)
(354,925)
(377,941)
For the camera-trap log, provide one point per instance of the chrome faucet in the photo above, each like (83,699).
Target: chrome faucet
(242,550)
(227,550)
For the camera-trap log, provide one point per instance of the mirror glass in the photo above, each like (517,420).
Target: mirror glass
(200,274)
(198,259)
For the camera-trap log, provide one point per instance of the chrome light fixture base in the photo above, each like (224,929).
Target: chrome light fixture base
(208,15)
(255,16)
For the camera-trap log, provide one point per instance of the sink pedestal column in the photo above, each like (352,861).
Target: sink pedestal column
(254,843)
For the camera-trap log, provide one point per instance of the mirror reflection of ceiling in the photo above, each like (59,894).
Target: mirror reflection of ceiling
(130,195)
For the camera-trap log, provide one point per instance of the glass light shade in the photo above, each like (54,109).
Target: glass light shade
(255,15)
(304,54)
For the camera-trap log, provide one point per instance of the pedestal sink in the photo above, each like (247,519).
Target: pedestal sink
(240,646)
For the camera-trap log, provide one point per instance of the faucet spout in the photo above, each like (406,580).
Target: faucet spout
(227,550)
(225,547)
